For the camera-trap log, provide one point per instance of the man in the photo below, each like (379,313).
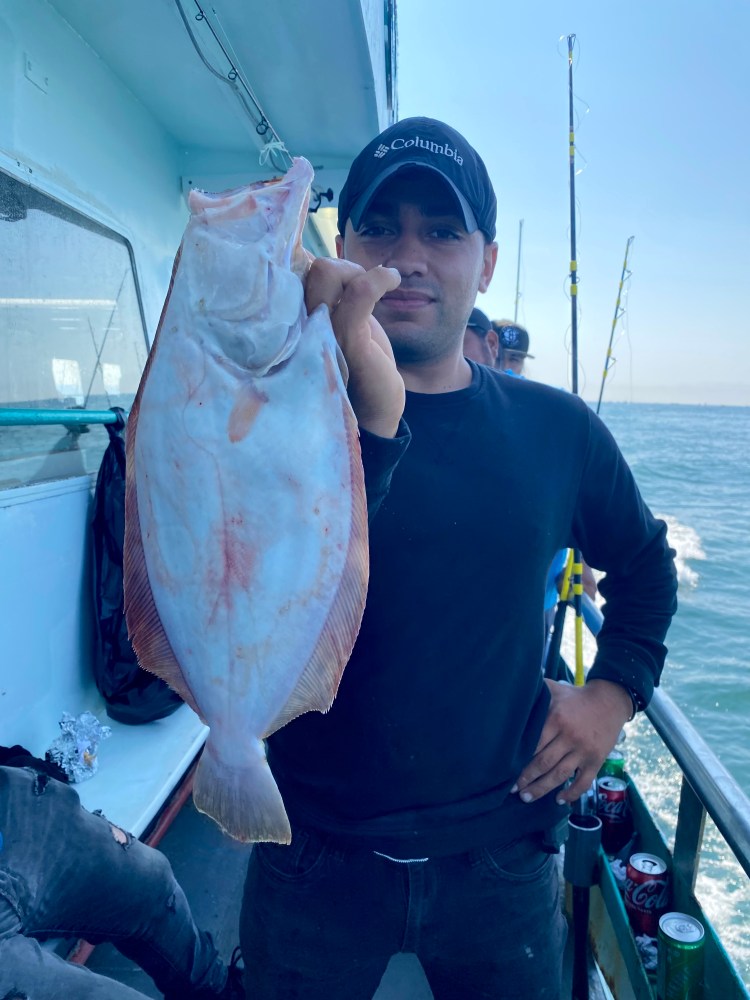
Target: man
(66,872)
(482,344)
(422,804)
(513,346)
(480,340)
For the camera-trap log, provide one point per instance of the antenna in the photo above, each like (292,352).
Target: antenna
(518,271)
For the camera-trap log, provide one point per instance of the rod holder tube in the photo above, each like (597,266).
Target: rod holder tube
(582,850)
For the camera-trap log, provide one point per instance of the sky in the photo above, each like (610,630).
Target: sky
(662,123)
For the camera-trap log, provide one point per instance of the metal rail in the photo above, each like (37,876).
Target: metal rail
(709,780)
(37,417)
(707,786)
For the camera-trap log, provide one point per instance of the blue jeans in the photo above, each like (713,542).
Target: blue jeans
(320,921)
(65,872)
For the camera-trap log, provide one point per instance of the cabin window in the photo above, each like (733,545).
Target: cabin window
(71,332)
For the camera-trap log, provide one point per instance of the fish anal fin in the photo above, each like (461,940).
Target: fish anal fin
(241,796)
(319,681)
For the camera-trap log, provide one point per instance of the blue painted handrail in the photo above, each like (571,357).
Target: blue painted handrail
(36,417)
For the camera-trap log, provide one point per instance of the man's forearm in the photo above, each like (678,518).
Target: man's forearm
(380,456)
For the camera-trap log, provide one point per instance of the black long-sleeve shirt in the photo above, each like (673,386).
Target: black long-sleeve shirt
(442,703)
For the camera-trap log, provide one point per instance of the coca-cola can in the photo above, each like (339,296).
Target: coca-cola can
(612,809)
(646,893)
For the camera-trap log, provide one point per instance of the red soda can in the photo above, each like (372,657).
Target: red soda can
(646,893)
(612,809)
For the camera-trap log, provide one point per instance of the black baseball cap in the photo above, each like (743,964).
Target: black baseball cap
(433,145)
(479,323)
(512,337)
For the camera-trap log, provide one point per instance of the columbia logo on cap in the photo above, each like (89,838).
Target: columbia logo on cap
(433,147)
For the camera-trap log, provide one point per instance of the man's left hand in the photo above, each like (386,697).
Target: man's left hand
(582,726)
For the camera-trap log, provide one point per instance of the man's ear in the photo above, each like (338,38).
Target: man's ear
(339,247)
(493,342)
(488,266)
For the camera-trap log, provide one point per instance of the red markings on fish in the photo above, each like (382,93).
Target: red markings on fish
(331,379)
(245,411)
(237,560)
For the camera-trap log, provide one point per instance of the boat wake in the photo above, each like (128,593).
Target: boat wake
(687,544)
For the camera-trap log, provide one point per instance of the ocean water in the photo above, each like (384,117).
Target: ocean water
(692,464)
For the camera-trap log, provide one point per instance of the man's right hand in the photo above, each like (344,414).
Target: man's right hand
(376,389)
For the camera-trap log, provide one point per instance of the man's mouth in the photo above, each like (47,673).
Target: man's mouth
(404,299)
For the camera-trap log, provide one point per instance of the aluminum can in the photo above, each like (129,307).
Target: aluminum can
(614,765)
(679,973)
(646,893)
(612,809)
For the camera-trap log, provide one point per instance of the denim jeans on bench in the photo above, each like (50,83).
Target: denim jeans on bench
(66,872)
(320,921)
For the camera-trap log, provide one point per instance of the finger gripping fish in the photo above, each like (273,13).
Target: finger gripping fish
(246,557)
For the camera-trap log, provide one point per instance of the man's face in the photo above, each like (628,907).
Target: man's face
(413,225)
(514,360)
(479,348)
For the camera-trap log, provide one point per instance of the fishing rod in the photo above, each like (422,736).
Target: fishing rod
(518,271)
(573,261)
(618,313)
(577,571)
(573,572)
(584,830)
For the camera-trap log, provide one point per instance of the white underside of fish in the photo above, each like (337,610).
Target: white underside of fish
(246,541)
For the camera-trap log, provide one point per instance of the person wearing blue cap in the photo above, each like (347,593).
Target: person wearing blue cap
(425,804)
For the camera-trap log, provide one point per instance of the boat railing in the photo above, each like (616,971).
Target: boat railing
(36,417)
(707,786)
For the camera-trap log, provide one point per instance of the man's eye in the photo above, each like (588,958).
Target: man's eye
(373,230)
(444,233)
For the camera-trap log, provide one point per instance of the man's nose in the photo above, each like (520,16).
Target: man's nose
(407,255)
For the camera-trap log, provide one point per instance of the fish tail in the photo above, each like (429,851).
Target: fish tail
(241,796)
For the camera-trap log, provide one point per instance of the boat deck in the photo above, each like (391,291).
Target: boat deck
(211,870)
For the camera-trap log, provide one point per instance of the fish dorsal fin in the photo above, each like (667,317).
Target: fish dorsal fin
(145,630)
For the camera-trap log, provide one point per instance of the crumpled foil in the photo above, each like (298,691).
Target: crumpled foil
(75,750)
(647,949)
(619,869)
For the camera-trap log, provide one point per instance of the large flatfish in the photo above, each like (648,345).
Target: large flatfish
(246,557)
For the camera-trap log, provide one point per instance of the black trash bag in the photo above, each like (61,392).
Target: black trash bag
(132,695)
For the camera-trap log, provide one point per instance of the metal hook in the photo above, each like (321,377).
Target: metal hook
(319,196)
